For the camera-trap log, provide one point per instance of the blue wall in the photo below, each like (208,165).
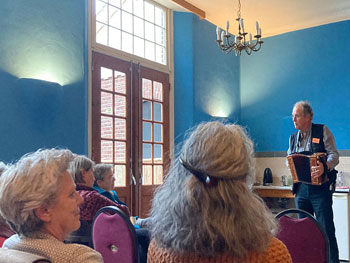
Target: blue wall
(310,64)
(43,76)
(44,83)
(206,79)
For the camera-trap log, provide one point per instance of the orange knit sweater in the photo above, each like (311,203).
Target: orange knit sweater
(275,253)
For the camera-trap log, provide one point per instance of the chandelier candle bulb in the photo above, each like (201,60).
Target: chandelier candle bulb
(222,36)
(250,38)
(227,26)
(257,26)
(241,24)
(259,31)
(218,33)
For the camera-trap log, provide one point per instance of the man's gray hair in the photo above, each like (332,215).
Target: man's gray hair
(189,216)
(79,164)
(100,170)
(33,182)
(305,105)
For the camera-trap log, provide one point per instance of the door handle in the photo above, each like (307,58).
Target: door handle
(132,178)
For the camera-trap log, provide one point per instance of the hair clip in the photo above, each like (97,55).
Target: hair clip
(203,177)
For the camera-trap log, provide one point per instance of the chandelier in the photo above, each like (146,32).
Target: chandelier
(240,41)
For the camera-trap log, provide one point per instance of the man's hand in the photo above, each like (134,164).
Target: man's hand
(317,171)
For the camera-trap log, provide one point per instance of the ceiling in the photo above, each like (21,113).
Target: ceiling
(275,16)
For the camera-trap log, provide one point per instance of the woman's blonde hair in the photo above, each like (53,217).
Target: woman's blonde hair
(190,216)
(34,181)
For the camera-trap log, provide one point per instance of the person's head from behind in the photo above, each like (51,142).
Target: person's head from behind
(82,169)
(104,176)
(220,214)
(37,194)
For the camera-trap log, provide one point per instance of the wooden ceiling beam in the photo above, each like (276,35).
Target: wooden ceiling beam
(190,7)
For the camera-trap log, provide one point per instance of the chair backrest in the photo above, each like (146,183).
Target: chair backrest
(16,256)
(82,235)
(114,236)
(304,237)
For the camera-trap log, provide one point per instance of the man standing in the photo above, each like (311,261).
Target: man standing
(316,199)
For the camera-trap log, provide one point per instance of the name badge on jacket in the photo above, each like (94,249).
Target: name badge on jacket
(315,140)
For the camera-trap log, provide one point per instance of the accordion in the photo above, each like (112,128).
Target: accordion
(300,167)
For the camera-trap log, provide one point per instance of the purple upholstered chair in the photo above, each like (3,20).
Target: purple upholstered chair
(114,236)
(304,237)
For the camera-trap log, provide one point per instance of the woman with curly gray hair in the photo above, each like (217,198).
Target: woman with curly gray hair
(206,211)
(38,200)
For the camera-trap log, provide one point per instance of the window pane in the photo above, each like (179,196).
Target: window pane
(101,12)
(147,153)
(114,17)
(157,113)
(120,84)
(106,79)
(126,25)
(139,48)
(146,88)
(115,38)
(138,8)
(106,103)
(120,105)
(127,5)
(119,152)
(147,110)
(146,174)
(116,3)
(158,153)
(160,36)
(158,132)
(149,51)
(158,174)
(160,55)
(149,31)
(120,175)
(138,27)
(149,12)
(159,17)
(147,131)
(157,91)
(106,127)
(106,151)
(126,42)
(120,129)
(127,22)
(101,33)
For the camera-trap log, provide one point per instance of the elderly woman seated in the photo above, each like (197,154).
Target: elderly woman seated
(5,230)
(206,212)
(104,182)
(39,201)
(82,168)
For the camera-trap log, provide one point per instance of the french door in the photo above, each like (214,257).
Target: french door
(130,127)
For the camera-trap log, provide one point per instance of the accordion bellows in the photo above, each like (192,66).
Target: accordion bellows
(300,167)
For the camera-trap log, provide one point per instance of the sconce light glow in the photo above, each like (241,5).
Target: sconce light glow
(219,114)
(219,107)
(43,75)
(48,58)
